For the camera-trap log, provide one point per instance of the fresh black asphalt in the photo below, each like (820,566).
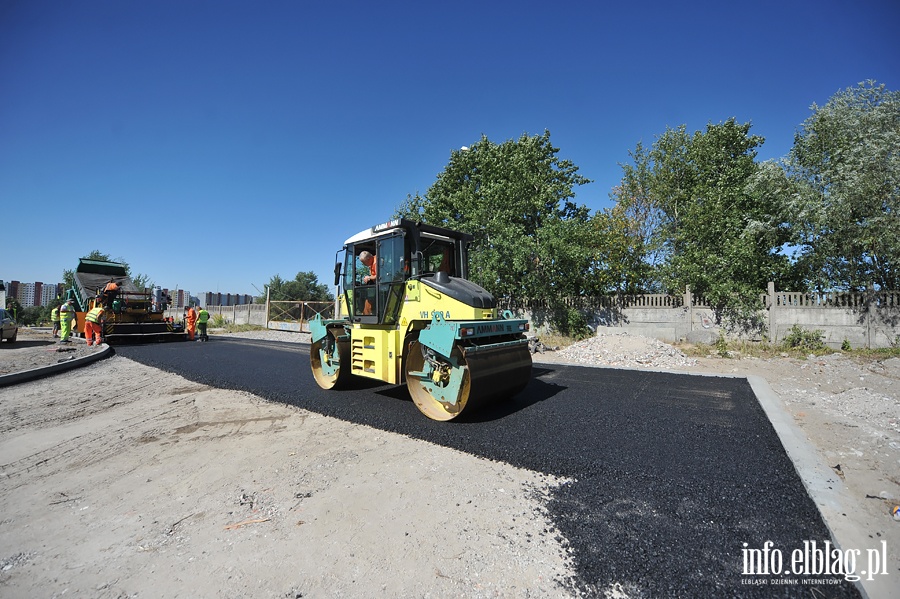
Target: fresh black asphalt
(673,474)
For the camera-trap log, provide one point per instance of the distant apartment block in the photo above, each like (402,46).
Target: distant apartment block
(48,294)
(26,294)
(224,299)
(32,294)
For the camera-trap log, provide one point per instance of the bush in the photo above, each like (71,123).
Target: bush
(800,338)
(576,325)
(721,346)
(845,345)
(217,321)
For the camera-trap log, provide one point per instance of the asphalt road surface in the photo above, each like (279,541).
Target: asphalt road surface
(677,477)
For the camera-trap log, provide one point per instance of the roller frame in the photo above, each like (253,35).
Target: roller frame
(455,379)
(441,335)
(319,329)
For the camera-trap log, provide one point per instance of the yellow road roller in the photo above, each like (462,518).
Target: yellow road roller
(407,313)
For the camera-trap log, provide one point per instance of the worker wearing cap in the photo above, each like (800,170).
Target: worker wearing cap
(54,318)
(93,324)
(66,320)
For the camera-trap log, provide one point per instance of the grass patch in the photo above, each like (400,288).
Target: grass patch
(556,340)
(747,349)
(229,327)
(875,355)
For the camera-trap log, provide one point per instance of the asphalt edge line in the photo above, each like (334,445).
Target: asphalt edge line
(37,373)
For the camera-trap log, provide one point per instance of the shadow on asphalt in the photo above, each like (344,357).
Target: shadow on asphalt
(536,392)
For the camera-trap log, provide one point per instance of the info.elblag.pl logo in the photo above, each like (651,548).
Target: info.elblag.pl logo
(814,563)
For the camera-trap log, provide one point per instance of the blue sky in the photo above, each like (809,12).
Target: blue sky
(212,145)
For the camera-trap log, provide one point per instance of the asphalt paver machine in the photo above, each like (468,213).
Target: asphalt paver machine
(129,318)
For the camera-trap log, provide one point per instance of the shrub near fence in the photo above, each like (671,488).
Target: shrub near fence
(869,320)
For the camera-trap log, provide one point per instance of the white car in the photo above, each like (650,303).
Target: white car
(9,328)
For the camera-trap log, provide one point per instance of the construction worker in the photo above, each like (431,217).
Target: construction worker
(366,264)
(54,318)
(66,320)
(110,292)
(202,320)
(93,324)
(191,322)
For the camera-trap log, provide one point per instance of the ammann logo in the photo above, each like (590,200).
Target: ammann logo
(491,328)
(812,562)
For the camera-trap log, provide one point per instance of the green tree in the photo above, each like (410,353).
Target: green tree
(843,189)
(34,315)
(516,198)
(621,254)
(703,223)
(304,287)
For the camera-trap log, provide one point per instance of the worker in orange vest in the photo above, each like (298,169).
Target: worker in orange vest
(367,262)
(93,324)
(110,292)
(191,322)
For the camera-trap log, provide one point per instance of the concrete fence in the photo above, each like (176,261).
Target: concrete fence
(282,316)
(254,314)
(864,320)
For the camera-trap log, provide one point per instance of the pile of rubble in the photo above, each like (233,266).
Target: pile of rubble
(625,350)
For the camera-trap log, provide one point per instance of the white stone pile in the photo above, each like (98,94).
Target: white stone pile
(625,350)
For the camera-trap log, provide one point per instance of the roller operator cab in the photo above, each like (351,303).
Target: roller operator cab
(411,315)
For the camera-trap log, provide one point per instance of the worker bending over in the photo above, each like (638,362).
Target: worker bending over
(93,324)
(109,293)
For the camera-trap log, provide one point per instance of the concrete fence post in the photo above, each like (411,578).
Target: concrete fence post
(771,291)
(868,307)
(688,300)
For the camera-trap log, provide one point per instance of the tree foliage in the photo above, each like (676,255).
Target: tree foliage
(304,287)
(516,198)
(699,222)
(842,187)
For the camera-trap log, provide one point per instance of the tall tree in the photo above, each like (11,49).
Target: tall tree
(708,230)
(844,190)
(516,198)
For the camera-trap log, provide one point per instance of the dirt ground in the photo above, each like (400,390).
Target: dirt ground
(120,480)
